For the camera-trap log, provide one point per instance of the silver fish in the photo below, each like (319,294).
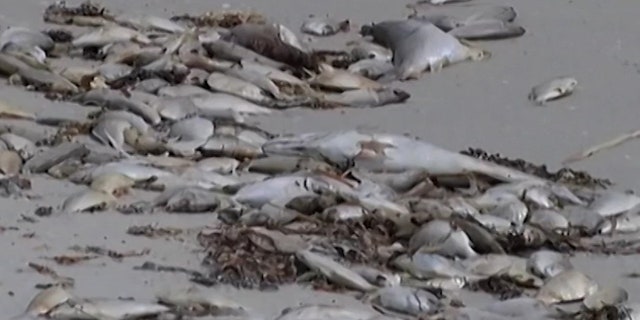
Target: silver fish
(553,89)
(419,46)
(324,26)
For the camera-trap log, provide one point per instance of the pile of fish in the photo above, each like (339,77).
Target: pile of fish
(407,224)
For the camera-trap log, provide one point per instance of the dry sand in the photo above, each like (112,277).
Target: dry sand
(480,104)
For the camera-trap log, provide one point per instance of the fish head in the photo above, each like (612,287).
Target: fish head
(401,95)
(477,54)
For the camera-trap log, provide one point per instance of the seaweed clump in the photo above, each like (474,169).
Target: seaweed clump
(564,175)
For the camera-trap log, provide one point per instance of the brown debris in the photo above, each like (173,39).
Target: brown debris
(150,231)
(66,260)
(138,74)
(502,286)
(59,35)
(264,40)
(234,257)
(226,19)
(115,255)
(564,175)
(47,271)
(59,12)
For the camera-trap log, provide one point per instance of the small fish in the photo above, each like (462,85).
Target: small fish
(488,30)
(322,27)
(567,286)
(553,89)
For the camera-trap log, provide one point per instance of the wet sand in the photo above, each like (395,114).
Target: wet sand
(480,104)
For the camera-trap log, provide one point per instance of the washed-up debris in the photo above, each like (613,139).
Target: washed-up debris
(115,255)
(150,231)
(47,271)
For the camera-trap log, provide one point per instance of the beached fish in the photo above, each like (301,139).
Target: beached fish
(386,152)
(419,46)
(367,98)
(569,285)
(552,89)
(324,26)
(108,35)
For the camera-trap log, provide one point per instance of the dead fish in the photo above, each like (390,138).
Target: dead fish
(287,36)
(488,265)
(605,297)
(343,212)
(386,152)
(367,98)
(441,2)
(445,22)
(500,13)
(216,102)
(188,200)
(44,80)
(361,50)
(218,164)
(113,71)
(115,184)
(278,189)
(111,132)
(194,128)
(336,79)
(25,38)
(281,164)
(324,26)
(325,312)
(230,146)
(377,277)
(272,73)
(134,120)
(488,30)
(8,111)
(200,302)
(23,146)
(438,236)
(553,89)
(333,271)
(132,169)
(151,85)
(548,264)
(116,100)
(236,52)
(47,300)
(132,54)
(108,35)
(87,200)
(371,68)
(10,162)
(182,91)
(265,40)
(101,308)
(427,266)
(521,307)
(10,64)
(612,203)
(220,82)
(147,22)
(256,78)
(419,46)
(548,220)
(569,285)
(514,211)
(405,300)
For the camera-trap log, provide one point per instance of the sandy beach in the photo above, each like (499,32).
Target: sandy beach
(480,104)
